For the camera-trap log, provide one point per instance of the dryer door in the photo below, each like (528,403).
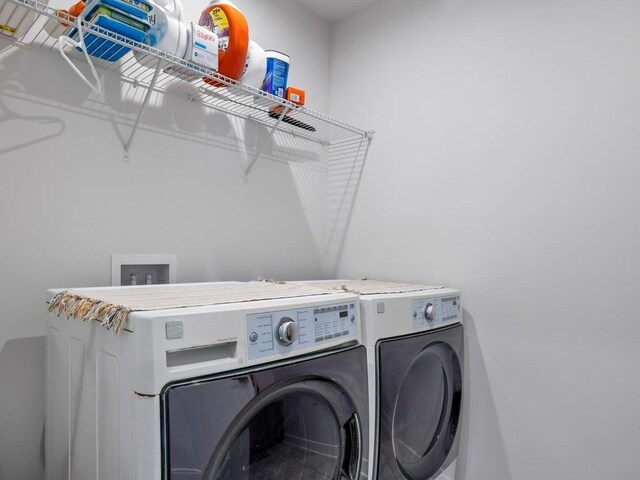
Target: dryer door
(290,422)
(420,399)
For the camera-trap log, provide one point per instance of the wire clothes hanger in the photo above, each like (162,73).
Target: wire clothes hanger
(65,41)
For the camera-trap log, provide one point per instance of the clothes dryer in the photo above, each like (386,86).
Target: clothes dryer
(415,348)
(256,390)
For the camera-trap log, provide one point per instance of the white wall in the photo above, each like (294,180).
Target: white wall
(506,164)
(67,201)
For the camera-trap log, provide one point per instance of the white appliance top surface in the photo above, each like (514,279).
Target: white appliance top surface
(370,287)
(275,304)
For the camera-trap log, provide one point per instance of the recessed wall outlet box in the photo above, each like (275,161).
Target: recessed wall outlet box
(143,269)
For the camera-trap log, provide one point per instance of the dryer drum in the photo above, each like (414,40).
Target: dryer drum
(291,428)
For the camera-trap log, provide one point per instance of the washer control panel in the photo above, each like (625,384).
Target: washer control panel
(285,331)
(429,312)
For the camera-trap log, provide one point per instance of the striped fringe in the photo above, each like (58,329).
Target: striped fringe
(111,317)
(271,280)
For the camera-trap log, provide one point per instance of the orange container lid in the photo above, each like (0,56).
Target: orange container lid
(76,9)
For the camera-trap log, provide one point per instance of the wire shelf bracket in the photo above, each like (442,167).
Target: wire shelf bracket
(143,107)
(265,142)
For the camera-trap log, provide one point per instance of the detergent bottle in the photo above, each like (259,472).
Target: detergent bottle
(255,67)
(169,32)
(16,20)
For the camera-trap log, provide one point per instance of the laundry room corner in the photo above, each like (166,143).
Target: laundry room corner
(505,165)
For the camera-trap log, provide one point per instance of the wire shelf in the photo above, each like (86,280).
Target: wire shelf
(326,157)
(156,70)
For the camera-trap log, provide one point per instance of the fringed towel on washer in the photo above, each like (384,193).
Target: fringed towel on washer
(111,306)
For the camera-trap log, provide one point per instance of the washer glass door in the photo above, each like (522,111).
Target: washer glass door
(300,428)
(303,430)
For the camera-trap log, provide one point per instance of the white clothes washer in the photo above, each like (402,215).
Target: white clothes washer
(415,349)
(259,390)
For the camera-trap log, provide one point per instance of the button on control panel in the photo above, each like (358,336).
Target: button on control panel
(429,312)
(284,331)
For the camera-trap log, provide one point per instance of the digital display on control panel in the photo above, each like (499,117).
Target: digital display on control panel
(284,331)
(450,308)
(428,312)
(332,322)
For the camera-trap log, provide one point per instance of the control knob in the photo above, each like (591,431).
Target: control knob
(286,332)
(430,311)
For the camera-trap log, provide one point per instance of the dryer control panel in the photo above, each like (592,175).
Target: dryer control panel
(285,331)
(429,312)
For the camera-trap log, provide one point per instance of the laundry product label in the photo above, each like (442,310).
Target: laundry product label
(219,25)
(138,4)
(275,81)
(204,50)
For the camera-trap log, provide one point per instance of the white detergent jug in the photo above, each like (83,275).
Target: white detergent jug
(15,20)
(168,31)
(255,67)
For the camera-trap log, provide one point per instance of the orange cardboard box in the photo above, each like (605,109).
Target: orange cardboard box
(295,95)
